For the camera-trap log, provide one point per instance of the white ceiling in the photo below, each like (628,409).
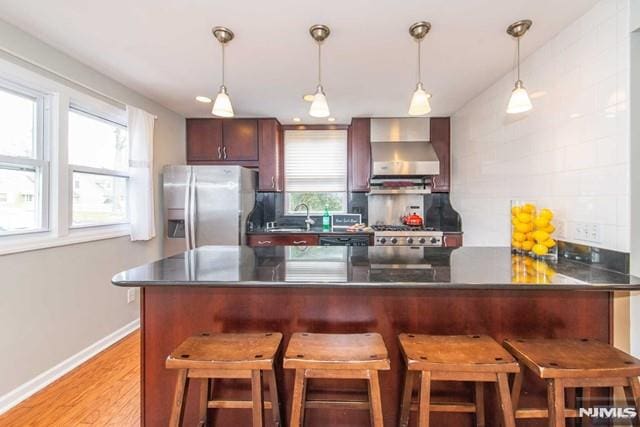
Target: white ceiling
(165,50)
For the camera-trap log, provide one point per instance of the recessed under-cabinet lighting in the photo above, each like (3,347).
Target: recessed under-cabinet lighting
(308,97)
(203,99)
(331,119)
(296,119)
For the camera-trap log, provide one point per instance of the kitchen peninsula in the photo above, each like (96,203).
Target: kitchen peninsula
(359,289)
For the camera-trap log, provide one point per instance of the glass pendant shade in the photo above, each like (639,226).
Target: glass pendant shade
(222,106)
(420,105)
(319,106)
(519,101)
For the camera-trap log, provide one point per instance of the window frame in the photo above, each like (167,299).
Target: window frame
(344,193)
(107,115)
(40,162)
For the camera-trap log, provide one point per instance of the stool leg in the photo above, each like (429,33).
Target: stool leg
(479,399)
(204,400)
(257,398)
(502,385)
(297,407)
(425,399)
(555,396)
(586,400)
(275,399)
(635,393)
(177,411)
(405,404)
(375,400)
(516,390)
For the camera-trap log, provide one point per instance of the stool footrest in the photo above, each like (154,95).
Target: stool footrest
(524,413)
(337,404)
(464,407)
(235,404)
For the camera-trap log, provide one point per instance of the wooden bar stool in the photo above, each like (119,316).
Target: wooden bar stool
(336,356)
(232,356)
(467,358)
(572,363)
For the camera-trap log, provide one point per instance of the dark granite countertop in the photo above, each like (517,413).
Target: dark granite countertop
(382,267)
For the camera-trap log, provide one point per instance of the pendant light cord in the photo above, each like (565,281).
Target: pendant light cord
(419,62)
(518,58)
(319,64)
(222,64)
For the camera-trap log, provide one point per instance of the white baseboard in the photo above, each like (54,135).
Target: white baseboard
(25,390)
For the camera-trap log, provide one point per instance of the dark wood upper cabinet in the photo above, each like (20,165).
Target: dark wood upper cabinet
(271,164)
(359,154)
(441,141)
(204,140)
(240,139)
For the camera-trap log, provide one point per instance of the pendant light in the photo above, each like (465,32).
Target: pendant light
(222,106)
(519,101)
(319,106)
(420,105)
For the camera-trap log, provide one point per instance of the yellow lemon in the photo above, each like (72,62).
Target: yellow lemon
(516,244)
(541,222)
(549,243)
(524,217)
(514,220)
(539,249)
(529,236)
(527,245)
(518,237)
(528,208)
(540,236)
(516,210)
(549,228)
(546,213)
(522,228)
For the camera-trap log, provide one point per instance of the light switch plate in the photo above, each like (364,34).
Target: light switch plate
(131,295)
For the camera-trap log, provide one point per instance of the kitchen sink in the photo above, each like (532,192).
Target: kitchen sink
(286,230)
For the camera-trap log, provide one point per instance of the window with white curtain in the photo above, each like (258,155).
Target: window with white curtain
(24,161)
(315,164)
(98,164)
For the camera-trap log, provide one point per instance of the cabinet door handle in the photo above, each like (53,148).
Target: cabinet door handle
(264,242)
(273,182)
(299,242)
(219,152)
(224,152)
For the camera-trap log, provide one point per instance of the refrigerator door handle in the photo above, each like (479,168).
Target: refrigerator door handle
(192,212)
(187,226)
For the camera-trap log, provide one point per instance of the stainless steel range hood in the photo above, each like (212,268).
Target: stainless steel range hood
(400,147)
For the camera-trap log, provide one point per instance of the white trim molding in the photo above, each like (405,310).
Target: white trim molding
(22,392)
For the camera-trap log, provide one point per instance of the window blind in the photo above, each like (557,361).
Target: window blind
(315,160)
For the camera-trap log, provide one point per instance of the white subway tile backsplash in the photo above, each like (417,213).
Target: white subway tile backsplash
(570,153)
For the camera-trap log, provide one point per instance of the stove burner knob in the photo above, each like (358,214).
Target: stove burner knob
(422,241)
(394,240)
(434,240)
(383,240)
(409,240)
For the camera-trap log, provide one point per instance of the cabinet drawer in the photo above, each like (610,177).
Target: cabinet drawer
(273,239)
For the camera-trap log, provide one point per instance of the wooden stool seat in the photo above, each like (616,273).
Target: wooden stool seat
(336,356)
(572,363)
(232,356)
(466,358)
(336,351)
(461,353)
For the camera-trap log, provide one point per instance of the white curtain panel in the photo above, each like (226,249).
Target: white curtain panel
(141,207)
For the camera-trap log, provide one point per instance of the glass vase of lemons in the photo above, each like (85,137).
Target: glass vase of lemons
(532,231)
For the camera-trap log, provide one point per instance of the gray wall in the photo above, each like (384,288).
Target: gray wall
(634,111)
(56,302)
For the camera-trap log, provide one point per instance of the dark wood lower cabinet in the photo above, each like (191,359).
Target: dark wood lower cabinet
(275,239)
(172,313)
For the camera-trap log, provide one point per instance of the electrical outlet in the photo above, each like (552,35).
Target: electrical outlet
(588,232)
(131,295)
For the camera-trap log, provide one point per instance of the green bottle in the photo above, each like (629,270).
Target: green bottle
(326,220)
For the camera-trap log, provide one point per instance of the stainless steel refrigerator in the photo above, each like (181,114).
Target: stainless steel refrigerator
(206,205)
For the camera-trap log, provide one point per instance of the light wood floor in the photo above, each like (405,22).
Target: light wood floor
(104,391)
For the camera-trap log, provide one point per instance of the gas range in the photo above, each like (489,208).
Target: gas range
(404,235)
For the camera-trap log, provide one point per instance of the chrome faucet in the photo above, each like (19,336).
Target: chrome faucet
(307,221)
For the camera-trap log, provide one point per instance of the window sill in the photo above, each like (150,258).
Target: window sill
(26,243)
